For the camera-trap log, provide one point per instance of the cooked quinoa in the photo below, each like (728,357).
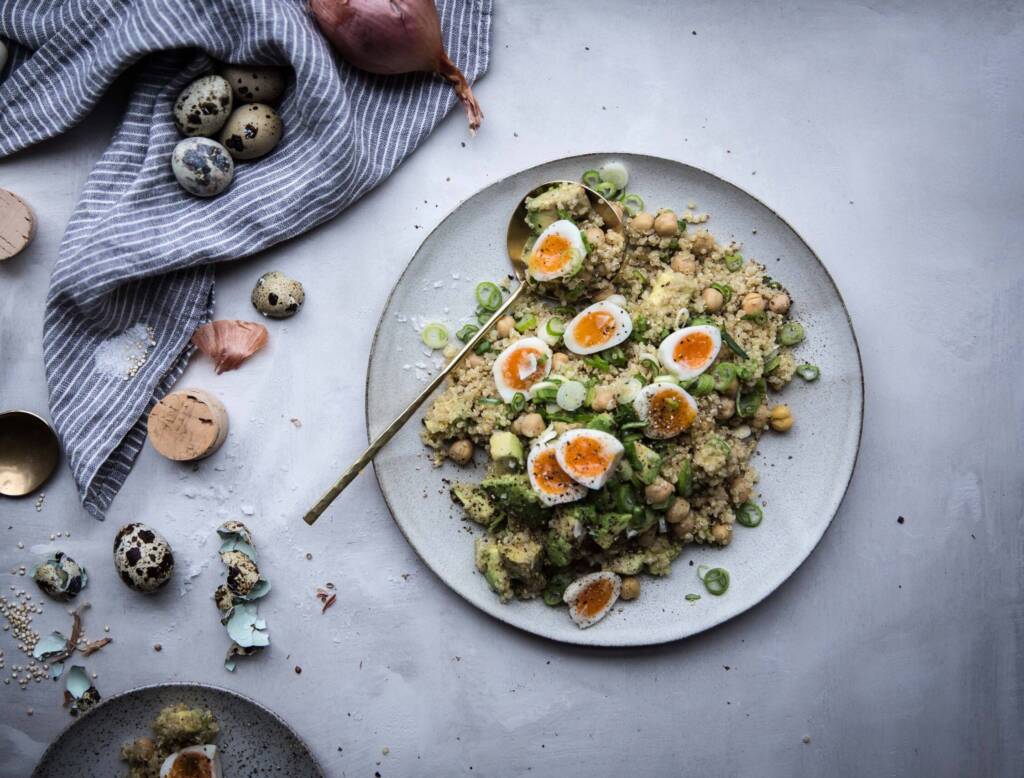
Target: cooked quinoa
(670,273)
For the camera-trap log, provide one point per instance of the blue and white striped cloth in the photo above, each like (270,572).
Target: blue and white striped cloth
(138,250)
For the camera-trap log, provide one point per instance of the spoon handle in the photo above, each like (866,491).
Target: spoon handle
(367,456)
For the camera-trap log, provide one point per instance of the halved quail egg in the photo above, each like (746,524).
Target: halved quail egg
(192,762)
(551,483)
(520,366)
(667,408)
(589,457)
(591,597)
(690,351)
(598,327)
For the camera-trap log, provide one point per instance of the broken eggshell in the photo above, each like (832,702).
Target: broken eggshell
(277,296)
(80,694)
(229,342)
(60,576)
(235,599)
(142,557)
(246,628)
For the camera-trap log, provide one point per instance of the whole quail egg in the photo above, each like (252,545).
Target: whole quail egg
(60,576)
(142,557)
(277,296)
(254,83)
(252,131)
(202,166)
(243,575)
(203,106)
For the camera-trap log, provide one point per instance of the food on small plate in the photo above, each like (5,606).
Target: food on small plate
(192,762)
(690,351)
(640,427)
(598,327)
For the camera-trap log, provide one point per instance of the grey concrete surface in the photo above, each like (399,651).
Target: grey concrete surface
(890,135)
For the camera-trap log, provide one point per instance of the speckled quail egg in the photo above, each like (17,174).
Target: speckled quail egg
(252,131)
(591,597)
(254,83)
(192,762)
(598,327)
(142,557)
(589,457)
(60,576)
(202,166)
(277,296)
(223,598)
(243,575)
(203,106)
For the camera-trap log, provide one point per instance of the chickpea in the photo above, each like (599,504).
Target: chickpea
(529,425)
(558,361)
(630,588)
(781,418)
(753,303)
(740,489)
(461,451)
(760,419)
(713,300)
(686,527)
(666,225)
(595,236)
(505,326)
(684,263)
(779,303)
(642,222)
(604,399)
(658,492)
(726,408)
(474,360)
(721,533)
(677,511)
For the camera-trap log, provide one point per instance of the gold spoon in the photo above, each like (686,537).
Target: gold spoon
(518,233)
(29,452)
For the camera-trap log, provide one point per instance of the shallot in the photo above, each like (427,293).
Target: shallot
(229,342)
(391,37)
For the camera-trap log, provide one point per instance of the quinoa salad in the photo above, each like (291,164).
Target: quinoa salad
(618,403)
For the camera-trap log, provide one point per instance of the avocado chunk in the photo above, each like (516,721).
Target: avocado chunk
(520,555)
(559,551)
(603,422)
(606,528)
(512,496)
(474,501)
(646,462)
(506,453)
(488,562)
(541,220)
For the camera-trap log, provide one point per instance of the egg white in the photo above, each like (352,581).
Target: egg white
(666,351)
(623,328)
(610,446)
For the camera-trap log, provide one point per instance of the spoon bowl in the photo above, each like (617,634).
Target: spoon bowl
(29,452)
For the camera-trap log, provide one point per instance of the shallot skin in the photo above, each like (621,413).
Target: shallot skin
(390,37)
(229,342)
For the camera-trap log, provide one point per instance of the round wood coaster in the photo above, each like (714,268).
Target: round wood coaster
(17,224)
(187,425)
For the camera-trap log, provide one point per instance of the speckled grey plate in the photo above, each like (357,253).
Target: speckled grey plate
(804,474)
(252,741)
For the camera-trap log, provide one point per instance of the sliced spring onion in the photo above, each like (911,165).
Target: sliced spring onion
(615,173)
(651,365)
(732,344)
(467,332)
(633,425)
(725,376)
(483,347)
(748,401)
(696,321)
(791,333)
(544,391)
(725,290)
(482,316)
(705,385)
(528,322)
(591,178)
(749,515)
(616,356)
(571,395)
(771,361)
(667,379)
(716,581)
(632,203)
(598,363)
(435,335)
(733,261)
(692,597)
(555,326)
(518,402)
(489,401)
(606,190)
(488,296)
(808,372)
(684,483)
(628,390)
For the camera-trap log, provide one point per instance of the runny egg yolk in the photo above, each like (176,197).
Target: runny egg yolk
(595,328)
(550,476)
(552,254)
(694,349)
(594,597)
(586,457)
(517,368)
(191,765)
(669,413)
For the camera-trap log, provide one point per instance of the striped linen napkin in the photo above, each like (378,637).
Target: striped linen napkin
(134,274)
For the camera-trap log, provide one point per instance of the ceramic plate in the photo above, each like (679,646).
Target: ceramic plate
(804,474)
(253,741)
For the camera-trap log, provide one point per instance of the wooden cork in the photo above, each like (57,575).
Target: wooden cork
(187,425)
(17,225)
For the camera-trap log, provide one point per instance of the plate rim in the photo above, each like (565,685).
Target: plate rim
(610,645)
(174,685)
